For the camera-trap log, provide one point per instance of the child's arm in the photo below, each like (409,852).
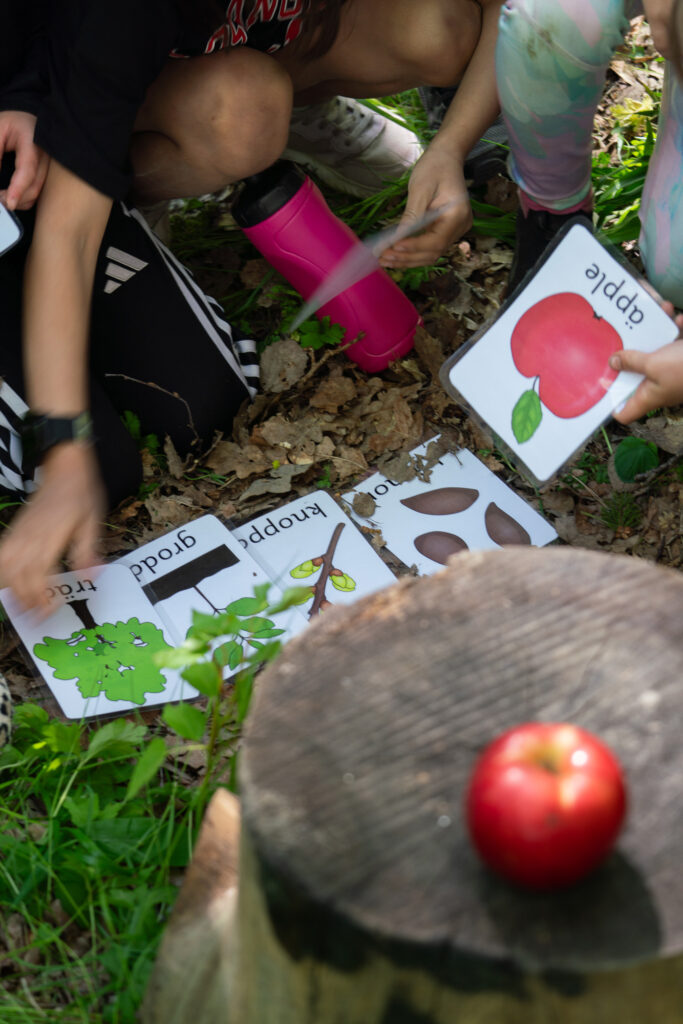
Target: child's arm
(438,178)
(663,384)
(62,517)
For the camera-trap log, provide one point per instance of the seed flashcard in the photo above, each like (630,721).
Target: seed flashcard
(464,506)
(311,543)
(96,650)
(203,567)
(539,375)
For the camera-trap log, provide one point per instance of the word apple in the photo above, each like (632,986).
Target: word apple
(566,346)
(545,804)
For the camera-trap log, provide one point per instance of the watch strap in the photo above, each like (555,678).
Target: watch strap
(40,433)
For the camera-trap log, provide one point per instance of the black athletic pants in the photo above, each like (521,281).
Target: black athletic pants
(159,347)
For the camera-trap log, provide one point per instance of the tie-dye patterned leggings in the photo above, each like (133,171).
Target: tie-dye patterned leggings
(551,62)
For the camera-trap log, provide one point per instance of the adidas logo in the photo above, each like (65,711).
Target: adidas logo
(121,267)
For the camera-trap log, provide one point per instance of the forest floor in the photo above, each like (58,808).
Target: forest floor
(321,422)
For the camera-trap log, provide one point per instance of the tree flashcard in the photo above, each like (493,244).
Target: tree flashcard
(539,375)
(464,506)
(312,543)
(96,649)
(203,567)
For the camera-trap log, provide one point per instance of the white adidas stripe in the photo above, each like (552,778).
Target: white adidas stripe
(196,300)
(126,266)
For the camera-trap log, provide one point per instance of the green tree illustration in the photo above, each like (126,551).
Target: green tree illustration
(115,659)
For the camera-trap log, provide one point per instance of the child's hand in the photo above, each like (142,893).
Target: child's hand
(16,136)
(61,519)
(436,181)
(663,384)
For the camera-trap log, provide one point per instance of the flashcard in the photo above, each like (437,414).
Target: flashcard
(312,543)
(539,375)
(463,507)
(96,650)
(10,230)
(202,567)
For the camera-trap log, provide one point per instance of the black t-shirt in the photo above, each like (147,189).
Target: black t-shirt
(99,57)
(23,64)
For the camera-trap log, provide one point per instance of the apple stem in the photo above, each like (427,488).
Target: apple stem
(536,380)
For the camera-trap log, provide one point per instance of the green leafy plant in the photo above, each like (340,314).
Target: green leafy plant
(633,456)
(622,514)
(150,442)
(98,820)
(316,334)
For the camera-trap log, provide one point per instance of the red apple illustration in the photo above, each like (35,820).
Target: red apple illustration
(565,345)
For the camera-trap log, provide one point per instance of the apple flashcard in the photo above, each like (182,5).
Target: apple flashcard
(312,543)
(96,649)
(539,375)
(463,507)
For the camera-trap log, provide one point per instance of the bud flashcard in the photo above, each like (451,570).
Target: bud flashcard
(311,543)
(463,506)
(539,375)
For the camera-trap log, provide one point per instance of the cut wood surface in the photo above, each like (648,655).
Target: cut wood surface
(361,900)
(360,745)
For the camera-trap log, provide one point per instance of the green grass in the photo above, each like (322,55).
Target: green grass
(98,822)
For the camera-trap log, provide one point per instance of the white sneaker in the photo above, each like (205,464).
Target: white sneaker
(351,147)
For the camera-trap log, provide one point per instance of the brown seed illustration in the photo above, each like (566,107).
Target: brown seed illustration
(503,529)
(444,501)
(439,546)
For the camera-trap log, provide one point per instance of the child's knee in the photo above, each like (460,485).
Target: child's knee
(250,106)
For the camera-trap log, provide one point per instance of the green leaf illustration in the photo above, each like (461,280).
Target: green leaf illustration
(635,455)
(114,659)
(343,582)
(300,572)
(526,416)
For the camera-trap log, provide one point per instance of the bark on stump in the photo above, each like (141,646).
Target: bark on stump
(360,898)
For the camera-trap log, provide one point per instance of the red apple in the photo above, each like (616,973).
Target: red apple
(566,345)
(545,804)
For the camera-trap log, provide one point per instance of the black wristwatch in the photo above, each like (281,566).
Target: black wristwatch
(40,433)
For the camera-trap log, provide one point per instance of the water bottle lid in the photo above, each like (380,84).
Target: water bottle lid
(265,193)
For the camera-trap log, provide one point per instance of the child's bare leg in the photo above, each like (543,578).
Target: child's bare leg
(385,46)
(209,121)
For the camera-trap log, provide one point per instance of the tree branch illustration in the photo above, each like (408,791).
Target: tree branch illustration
(325,570)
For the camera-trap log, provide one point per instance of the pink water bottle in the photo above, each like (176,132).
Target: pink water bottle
(287,219)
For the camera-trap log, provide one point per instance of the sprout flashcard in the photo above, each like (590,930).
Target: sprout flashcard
(463,506)
(311,543)
(539,375)
(96,650)
(203,567)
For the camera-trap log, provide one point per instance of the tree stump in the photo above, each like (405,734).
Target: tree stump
(361,900)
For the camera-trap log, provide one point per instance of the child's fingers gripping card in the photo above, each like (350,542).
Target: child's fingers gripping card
(202,567)
(463,507)
(312,544)
(96,650)
(539,375)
